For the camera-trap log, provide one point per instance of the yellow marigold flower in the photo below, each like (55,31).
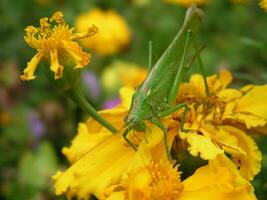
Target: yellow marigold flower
(121,73)
(54,40)
(106,166)
(217,180)
(188,3)
(223,120)
(114,34)
(100,159)
(263,5)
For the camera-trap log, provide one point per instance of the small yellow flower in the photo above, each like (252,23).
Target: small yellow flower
(54,40)
(160,181)
(120,74)
(114,34)
(263,4)
(187,3)
(223,120)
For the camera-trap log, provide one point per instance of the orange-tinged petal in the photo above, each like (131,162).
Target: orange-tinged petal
(220,82)
(28,73)
(250,163)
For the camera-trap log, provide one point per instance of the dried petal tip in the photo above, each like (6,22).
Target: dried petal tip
(57,17)
(263,5)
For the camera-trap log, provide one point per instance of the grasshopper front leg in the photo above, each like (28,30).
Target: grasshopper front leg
(125,134)
(155,121)
(174,109)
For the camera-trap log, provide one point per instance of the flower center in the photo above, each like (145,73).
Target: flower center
(156,181)
(211,108)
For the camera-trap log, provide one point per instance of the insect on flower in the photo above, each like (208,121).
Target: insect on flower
(155,97)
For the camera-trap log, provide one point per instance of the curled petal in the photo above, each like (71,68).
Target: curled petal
(81,58)
(55,66)
(90,32)
(28,73)
(201,145)
(252,107)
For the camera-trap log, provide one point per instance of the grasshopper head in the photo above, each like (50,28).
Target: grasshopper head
(136,123)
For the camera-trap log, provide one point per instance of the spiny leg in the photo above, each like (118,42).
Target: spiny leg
(149,56)
(178,78)
(136,136)
(164,130)
(202,69)
(125,133)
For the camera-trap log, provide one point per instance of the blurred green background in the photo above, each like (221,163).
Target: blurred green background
(36,120)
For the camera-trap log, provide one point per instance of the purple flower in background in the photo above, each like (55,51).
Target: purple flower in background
(91,83)
(36,124)
(112,103)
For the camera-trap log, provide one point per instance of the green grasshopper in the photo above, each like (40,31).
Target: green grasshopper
(156,96)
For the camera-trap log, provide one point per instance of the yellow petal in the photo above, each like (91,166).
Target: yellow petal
(55,66)
(80,57)
(229,94)
(116,196)
(83,141)
(252,107)
(201,145)
(223,138)
(126,94)
(101,167)
(250,163)
(28,73)
(216,181)
(114,116)
(220,82)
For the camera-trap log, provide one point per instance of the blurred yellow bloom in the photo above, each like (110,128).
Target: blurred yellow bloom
(121,73)
(239,1)
(100,159)
(54,40)
(223,120)
(263,5)
(114,34)
(188,3)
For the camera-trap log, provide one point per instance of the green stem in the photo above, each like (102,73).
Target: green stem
(76,95)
